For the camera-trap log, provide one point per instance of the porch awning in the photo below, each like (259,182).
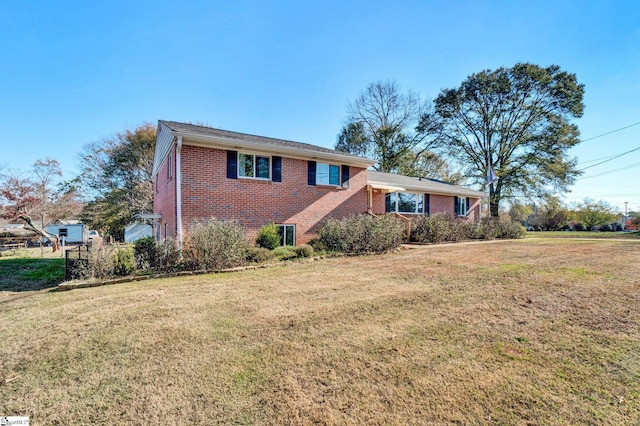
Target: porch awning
(386,188)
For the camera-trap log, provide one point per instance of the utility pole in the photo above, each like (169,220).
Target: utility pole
(625,208)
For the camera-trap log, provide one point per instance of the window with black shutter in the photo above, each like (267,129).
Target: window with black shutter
(232,164)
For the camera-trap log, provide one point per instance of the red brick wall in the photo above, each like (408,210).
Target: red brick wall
(164,197)
(474,209)
(441,204)
(378,206)
(207,192)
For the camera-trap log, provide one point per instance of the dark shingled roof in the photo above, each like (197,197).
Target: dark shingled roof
(420,184)
(210,132)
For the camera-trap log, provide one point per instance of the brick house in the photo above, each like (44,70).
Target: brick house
(201,172)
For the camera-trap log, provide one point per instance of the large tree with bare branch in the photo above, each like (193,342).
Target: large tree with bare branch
(381,125)
(515,120)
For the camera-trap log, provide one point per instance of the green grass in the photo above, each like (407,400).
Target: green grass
(581,234)
(26,274)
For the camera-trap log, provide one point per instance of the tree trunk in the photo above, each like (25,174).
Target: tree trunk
(55,240)
(494,199)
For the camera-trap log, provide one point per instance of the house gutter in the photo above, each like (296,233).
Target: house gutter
(179,193)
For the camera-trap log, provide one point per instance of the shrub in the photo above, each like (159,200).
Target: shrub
(510,230)
(268,236)
(259,255)
(304,250)
(285,252)
(100,262)
(362,233)
(317,245)
(444,227)
(215,244)
(169,254)
(123,261)
(146,253)
(438,228)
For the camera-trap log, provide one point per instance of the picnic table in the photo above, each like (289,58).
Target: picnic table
(12,246)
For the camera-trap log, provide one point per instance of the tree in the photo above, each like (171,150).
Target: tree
(381,125)
(520,212)
(35,201)
(45,172)
(594,213)
(428,164)
(116,177)
(515,121)
(551,214)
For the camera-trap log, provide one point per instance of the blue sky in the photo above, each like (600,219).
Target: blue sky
(75,72)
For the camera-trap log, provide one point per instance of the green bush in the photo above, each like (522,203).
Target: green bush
(147,253)
(285,252)
(215,244)
(123,261)
(259,255)
(304,250)
(362,233)
(268,236)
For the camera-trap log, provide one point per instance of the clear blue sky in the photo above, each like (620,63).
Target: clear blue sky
(75,72)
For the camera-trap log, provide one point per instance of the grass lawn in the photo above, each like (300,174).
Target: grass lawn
(28,270)
(582,234)
(543,331)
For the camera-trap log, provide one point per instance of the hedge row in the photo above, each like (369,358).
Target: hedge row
(444,227)
(216,244)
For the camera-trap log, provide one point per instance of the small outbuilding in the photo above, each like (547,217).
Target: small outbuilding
(72,231)
(136,230)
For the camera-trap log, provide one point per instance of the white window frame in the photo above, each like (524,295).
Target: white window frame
(328,181)
(462,206)
(255,156)
(284,227)
(396,204)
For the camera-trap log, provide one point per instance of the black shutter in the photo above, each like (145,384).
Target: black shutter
(232,164)
(456,210)
(426,204)
(345,176)
(467,209)
(311,173)
(276,169)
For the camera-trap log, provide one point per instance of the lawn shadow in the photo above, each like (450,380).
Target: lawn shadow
(30,274)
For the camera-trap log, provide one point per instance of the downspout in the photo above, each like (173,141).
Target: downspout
(178,194)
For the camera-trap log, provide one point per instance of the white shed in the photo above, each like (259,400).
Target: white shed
(136,230)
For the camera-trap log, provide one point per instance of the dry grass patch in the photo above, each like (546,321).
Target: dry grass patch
(520,332)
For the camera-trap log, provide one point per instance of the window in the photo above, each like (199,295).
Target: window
(404,202)
(327,174)
(461,206)
(63,232)
(287,235)
(169,167)
(253,166)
